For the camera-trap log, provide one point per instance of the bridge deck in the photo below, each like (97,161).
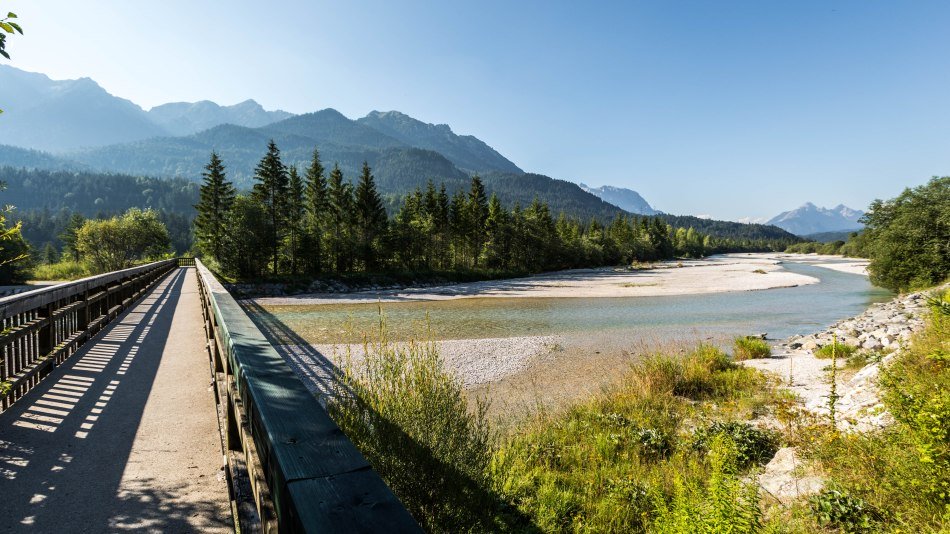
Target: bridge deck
(123,435)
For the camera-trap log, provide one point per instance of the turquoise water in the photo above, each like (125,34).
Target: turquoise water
(779,312)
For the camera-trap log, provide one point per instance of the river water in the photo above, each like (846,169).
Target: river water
(779,312)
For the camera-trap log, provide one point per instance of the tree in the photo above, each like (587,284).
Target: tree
(371,219)
(316,209)
(68,237)
(271,192)
(295,217)
(340,206)
(50,255)
(123,240)
(477,214)
(908,238)
(9,28)
(214,205)
(247,235)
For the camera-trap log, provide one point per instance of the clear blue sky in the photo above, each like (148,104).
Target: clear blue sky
(731,109)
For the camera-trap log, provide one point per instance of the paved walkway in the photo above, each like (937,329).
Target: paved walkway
(123,436)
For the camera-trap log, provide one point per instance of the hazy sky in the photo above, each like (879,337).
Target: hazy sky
(730,109)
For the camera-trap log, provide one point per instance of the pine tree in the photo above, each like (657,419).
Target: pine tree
(371,218)
(498,235)
(477,215)
(271,192)
(316,208)
(68,237)
(50,256)
(340,207)
(214,204)
(295,216)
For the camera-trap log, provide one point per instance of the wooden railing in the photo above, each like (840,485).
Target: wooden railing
(43,327)
(290,468)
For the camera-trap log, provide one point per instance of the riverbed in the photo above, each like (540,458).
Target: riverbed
(524,351)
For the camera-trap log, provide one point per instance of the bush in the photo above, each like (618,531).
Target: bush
(749,347)
(412,422)
(840,350)
(753,446)
(64,270)
(835,509)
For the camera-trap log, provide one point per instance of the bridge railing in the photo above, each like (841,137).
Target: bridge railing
(43,327)
(290,467)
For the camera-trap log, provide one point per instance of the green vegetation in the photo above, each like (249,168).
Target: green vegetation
(66,269)
(838,350)
(750,347)
(898,478)
(908,238)
(325,226)
(854,247)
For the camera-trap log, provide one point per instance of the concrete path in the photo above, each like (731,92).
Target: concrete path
(123,436)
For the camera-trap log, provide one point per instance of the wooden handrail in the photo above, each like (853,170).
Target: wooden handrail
(290,467)
(43,327)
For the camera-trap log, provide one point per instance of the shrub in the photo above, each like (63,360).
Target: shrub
(411,420)
(64,270)
(749,347)
(841,350)
(836,509)
(752,445)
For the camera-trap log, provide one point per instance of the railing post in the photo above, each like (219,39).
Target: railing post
(47,334)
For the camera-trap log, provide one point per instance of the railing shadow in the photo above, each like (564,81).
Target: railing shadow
(66,462)
(424,478)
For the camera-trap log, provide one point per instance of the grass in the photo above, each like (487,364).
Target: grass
(750,347)
(669,448)
(64,270)
(841,350)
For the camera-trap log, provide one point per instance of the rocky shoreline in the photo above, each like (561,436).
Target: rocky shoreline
(879,334)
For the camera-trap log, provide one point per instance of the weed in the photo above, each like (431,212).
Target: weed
(750,347)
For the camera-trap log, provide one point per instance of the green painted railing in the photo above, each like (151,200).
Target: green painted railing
(290,468)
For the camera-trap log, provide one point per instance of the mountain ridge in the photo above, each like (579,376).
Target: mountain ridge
(810,219)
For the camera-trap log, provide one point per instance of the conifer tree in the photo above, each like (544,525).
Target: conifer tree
(371,218)
(295,216)
(68,237)
(477,215)
(340,208)
(271,192)
(316,208)
(214,205)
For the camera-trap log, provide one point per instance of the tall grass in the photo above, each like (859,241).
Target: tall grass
(64,270)
(748,348)
(412,422)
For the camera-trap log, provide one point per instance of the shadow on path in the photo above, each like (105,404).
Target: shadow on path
(65,446)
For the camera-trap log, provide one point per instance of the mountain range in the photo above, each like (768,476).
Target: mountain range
(625,199)
(75,125)
(811,219)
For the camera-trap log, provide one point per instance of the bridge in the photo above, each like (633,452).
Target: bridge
(146,399)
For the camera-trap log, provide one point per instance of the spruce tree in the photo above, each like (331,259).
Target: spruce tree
(214,205)
(316,208)
(68,237)
(295,216)
(271,192)
(371,218)
(477,215)
(340,208)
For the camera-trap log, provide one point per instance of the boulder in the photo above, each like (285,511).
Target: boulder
(788,479)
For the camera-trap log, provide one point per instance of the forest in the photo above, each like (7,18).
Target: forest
(319,223)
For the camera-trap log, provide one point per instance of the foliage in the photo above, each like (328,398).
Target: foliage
(8,27)
(411,420)
(839,350)
(121,241)
(216,199)
(901,474)
(908,237)
(749,347)
(835,509)
(67,269)
(753,446)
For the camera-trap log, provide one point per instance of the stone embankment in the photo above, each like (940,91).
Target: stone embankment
(880,333)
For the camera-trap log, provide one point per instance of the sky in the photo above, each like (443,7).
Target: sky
(716,108)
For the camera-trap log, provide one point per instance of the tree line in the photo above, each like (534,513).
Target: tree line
(314,222)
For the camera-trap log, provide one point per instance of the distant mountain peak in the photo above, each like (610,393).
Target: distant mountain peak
(625,199)
(811,219)
(467,152)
